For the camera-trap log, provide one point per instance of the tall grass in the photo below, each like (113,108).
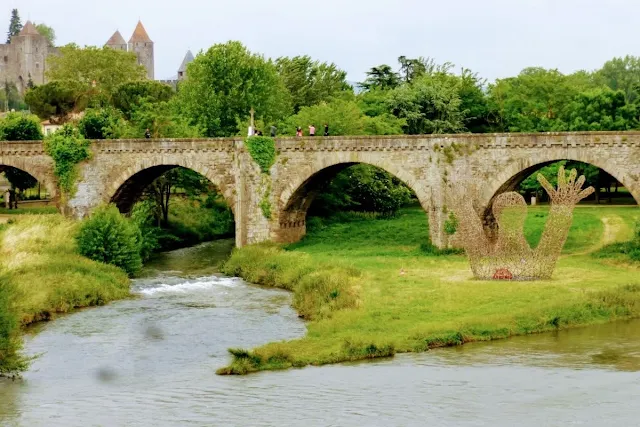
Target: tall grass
(41,274)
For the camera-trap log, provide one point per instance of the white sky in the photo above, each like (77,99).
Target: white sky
(495,38)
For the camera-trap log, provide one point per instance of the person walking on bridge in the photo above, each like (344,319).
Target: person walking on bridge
(312,130)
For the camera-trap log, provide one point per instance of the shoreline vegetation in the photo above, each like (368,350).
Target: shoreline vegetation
(378,291)
(41,275)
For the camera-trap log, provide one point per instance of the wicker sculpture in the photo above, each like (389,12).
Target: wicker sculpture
(506,255)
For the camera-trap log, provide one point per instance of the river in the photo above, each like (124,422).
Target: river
(151,361)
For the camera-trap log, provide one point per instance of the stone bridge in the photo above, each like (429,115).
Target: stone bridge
(119,170)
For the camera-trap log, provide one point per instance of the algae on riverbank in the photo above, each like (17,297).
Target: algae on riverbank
(41,267)
(409,301)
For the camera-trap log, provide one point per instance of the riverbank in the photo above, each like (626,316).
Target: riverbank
(404,299)
(42,275)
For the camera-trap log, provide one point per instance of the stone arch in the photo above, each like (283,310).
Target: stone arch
(515,172)
(44,179)
(128,185)
(297,195)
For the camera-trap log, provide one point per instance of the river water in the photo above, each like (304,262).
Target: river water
(151,361)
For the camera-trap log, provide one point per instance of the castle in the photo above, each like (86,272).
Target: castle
(24,58)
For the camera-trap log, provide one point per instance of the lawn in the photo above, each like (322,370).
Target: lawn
(393,297)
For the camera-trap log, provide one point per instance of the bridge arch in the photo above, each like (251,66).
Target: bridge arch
(299,192)
(128,185)
(44,179)
(517,171)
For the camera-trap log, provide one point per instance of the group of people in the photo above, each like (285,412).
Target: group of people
(312,130)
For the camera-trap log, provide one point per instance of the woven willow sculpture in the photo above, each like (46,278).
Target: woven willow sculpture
(506,254)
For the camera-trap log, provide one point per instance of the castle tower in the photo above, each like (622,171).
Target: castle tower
(182,71)
(142,46)
(31,50)
(117,42)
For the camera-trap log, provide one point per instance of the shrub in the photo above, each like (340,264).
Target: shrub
(104,123)
(20,127)
(109,237)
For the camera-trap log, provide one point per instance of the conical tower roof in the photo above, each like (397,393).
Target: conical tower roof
(29,30)
(116,39)
(140,35)
(187,59)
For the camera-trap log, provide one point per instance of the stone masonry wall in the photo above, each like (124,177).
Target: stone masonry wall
(483,165)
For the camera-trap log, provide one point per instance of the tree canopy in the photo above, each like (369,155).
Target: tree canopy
(107,67)
(15,25)
(225,83)
(48,32)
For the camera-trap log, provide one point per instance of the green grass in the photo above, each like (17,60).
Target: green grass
(46,276)
(43,210)
(407,300)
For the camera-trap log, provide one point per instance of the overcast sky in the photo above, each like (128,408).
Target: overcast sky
(496,38)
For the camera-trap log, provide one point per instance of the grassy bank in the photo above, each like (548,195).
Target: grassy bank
(407,300)
(41,274)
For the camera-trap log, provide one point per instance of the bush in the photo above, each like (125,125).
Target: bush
(20,127)
(263,151)
(104,123)
(110,238)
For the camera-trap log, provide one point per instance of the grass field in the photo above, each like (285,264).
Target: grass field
(385,295)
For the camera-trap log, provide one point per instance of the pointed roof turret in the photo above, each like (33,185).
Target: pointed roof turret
(187,59)
(140,35)
(29,30)
(116,39)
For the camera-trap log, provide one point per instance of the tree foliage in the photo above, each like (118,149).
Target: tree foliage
(131,96)
(163,119)
(20,127)
(56,100)
(67,147)
(107,67)
(381,77)
(104,123)
(48,32)
(15,25)
(311,82)
(225,83)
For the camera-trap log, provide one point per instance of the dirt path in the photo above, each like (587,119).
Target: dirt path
(614,225)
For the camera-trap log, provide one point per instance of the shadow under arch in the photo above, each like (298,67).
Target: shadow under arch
(299,194)
(129,189)
(48,184)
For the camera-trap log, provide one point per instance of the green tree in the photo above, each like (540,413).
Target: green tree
(622,74)
(343,118)
(160,191)
(10,98)
(601,109)
(15,25)
(163,119)
(48,32)
(225,83)
(362,188)
(310,82)
(105,67)
(19,179)
(20,127)
(534,101)
(430,104)
(473,102)
(130,96)
(56,100)
(381,77)
(103,123)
